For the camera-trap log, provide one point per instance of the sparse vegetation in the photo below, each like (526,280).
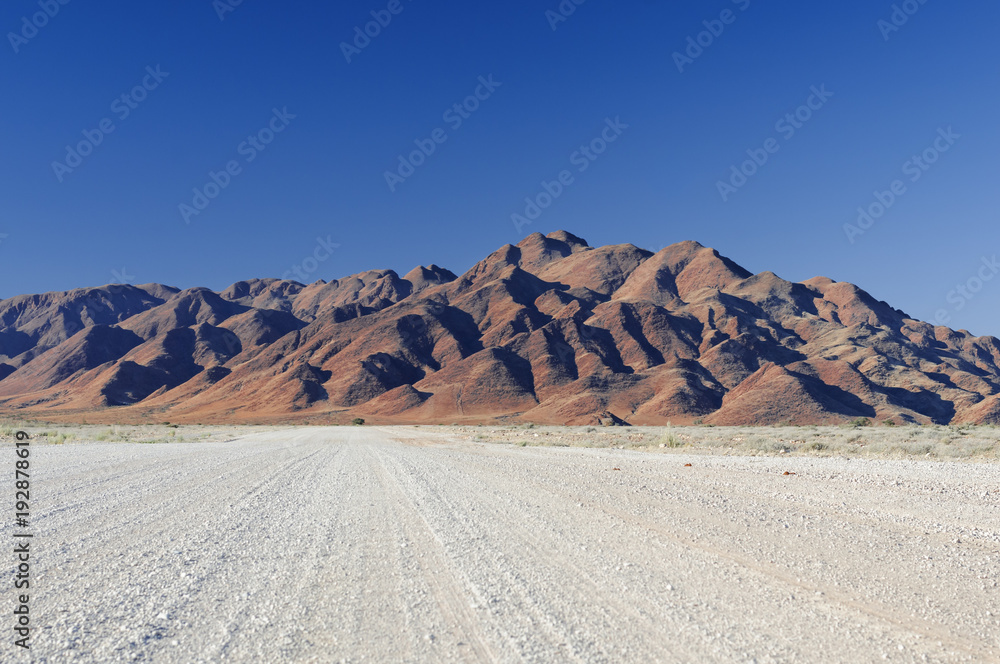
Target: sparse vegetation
(358,421)
(61,434)
(56,438)
(898,441)
(669,439)
(929,441)
(768,445)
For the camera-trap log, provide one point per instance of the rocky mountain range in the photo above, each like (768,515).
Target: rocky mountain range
(550,330)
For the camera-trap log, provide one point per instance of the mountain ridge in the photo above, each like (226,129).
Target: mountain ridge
(549,330)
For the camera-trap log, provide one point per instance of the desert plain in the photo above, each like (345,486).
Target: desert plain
(513,543)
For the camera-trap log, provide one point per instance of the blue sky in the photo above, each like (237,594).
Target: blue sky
(321,179)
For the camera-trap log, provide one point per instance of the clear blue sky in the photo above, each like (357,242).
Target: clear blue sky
(657,183)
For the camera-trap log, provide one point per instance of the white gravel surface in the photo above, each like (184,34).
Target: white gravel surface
(396,545)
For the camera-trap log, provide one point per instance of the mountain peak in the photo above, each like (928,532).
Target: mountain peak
(568,238)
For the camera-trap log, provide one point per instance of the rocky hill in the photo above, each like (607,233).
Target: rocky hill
(550,330)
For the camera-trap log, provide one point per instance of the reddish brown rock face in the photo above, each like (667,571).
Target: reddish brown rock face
(550,330)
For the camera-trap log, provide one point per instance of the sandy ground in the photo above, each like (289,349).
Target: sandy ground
(399,544)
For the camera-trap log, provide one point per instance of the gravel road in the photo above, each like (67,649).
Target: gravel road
(396,545)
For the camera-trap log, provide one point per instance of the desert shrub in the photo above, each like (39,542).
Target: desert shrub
(670,440)
(767,445)
(861,422)
(358,421)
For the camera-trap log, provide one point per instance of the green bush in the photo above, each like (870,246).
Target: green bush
(358,421)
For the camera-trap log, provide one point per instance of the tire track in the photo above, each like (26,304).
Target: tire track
(433,562)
